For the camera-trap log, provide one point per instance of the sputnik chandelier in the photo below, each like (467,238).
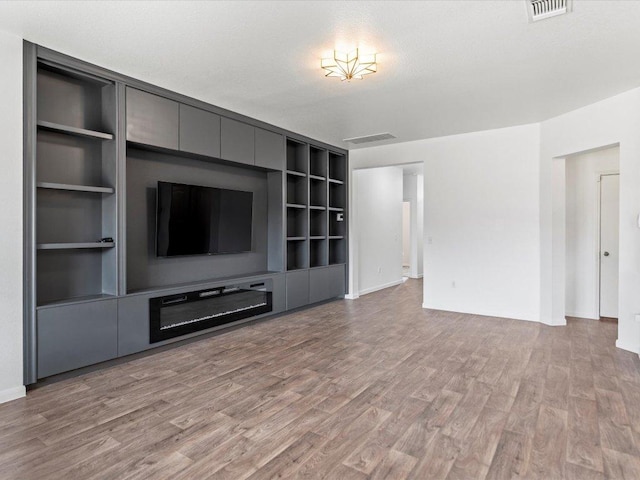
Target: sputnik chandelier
(350,65)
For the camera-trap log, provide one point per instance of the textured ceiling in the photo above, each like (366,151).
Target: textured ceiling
(445,67)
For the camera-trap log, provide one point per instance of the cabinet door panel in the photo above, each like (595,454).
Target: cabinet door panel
(326,283)
(199,131)
(74,336)
(297,289)
(237,141)
(152,120)
(269,149)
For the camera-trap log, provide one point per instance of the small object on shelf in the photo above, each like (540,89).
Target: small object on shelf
(339,217)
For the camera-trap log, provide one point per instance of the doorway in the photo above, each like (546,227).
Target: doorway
(406,239)
(609,240)
(591,233)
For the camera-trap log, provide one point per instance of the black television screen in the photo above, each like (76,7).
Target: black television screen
(194,220)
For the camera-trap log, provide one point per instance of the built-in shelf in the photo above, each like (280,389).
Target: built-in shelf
(74,246)
(333,180)
(74,300)
(296,173)
(295,205)
(336,209)
(317,207)
(335,237)
(75,188)
(70,72)
(82,132)
(317,177)
(317,237)
(295,239)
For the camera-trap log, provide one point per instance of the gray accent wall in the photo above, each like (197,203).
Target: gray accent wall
(144,269)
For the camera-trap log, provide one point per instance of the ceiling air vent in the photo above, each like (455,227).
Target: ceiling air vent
(541,9)
(369,138)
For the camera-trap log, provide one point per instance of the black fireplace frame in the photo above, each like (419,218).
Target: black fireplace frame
(157,304)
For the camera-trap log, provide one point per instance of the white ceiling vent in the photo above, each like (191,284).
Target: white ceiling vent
(369,138)
(541,9)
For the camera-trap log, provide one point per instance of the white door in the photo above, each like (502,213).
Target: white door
(609,228)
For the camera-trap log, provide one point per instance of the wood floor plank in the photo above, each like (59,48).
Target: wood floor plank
(512,456)
(620,465)
(394,465)
(437,459)
(466,413)
(583,439)
(549,444)
(479,446)
(286,463)
(556,387)
(417,437)
(615,432)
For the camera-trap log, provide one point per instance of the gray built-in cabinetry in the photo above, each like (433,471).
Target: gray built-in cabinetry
(96,144)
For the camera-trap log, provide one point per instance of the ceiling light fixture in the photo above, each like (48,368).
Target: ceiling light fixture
(349,65)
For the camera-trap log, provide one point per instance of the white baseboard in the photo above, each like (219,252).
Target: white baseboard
(12,393)
(627,346)
(381,287)
(350,296)
(560,322)
(588,315)
(498,315)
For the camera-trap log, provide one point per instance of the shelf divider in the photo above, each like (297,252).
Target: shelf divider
(75,188)
(74,246)
(82,132)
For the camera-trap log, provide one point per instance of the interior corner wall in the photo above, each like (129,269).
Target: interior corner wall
(615,120)
(582,229)
(11,240)
(481,216)
(378,203)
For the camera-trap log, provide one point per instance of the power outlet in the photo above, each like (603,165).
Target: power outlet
(453,284)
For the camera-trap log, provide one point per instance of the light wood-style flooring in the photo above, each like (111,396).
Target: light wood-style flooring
(374,388)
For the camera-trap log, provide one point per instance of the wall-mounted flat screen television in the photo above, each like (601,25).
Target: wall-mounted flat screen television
(195,220)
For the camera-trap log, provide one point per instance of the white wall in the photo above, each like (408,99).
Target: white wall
(11,380)
(582,229)
(377,218)
(481,214)
(615,120)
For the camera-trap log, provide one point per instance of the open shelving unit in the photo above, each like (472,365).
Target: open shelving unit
(316,202)
(75,174)
(316,230)
(337,193)
(297,204)
(96,144)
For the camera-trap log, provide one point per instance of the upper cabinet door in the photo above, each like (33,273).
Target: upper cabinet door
(237,141)
(269,149)
(152,120)
(199,131)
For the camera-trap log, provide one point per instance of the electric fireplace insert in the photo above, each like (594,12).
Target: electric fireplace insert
(176,315)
